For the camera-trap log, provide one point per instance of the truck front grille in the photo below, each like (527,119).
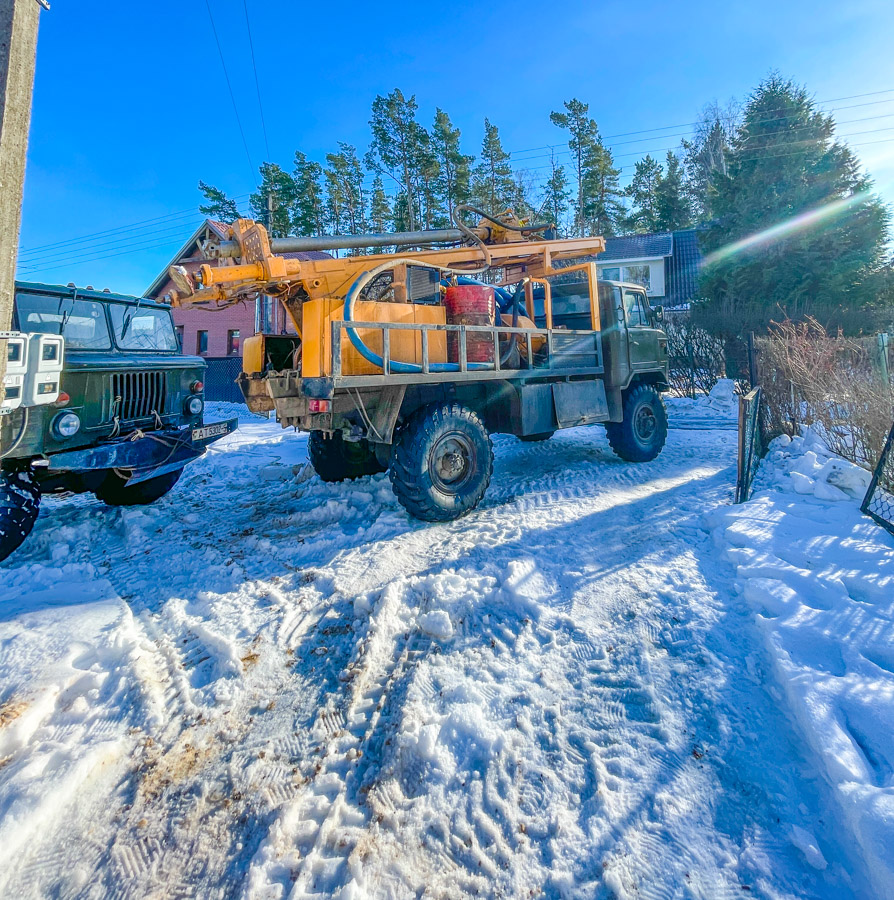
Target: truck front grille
(135,395)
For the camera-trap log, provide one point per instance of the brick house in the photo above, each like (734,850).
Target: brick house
(219,333)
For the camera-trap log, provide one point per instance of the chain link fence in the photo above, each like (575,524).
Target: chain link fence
(220,379)
(879,500)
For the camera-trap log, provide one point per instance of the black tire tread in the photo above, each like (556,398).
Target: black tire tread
(19,508)
(333,464)
(416,432)
(620,434)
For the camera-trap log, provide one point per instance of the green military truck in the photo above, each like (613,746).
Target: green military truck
(98,399)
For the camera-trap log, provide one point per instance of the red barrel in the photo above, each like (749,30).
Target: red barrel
(470,304)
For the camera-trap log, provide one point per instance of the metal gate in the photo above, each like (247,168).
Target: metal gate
(751,445)
(879,500)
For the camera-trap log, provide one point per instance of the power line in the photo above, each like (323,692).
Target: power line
(229,87)
(112,233)
(257,83)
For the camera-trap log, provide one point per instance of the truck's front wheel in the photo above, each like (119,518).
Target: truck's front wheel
(19,505)
(335,459)
(114,490)
(643,432)
(442,462)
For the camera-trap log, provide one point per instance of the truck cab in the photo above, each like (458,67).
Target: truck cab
(120,419)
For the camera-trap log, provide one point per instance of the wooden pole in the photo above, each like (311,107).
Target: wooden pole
(18,48)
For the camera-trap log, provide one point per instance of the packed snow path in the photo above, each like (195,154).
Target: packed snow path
(265,686)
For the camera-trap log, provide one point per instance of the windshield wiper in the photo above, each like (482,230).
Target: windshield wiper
(128,318)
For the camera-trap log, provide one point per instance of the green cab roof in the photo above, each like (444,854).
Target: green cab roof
(64,290)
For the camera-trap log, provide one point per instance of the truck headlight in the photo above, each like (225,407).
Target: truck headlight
(194,406)
(66,425)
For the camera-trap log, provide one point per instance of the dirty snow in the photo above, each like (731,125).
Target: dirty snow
(605,682)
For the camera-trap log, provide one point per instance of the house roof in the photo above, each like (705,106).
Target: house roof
(684,268)
(187,250)
(638,246)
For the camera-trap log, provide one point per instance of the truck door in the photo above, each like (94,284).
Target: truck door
(642,338)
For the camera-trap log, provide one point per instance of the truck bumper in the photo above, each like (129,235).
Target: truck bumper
(155,453)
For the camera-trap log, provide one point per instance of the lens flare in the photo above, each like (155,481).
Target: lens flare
(797,223)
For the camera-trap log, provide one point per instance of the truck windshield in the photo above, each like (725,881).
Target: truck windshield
(142,327)
(81,322)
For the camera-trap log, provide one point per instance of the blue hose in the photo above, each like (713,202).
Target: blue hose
(399,368)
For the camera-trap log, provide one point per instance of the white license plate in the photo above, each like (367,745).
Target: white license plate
(200,434)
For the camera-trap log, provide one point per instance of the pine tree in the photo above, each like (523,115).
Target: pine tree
(556,195)
(672,208)
(493,187)
(278,184)
(643,191)
(784,162)
(218,206)
(455,166)
(345,201)
(397,147)
(309,214)
(379,207)
(603,204)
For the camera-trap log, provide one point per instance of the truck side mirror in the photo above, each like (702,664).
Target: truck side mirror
(659,313)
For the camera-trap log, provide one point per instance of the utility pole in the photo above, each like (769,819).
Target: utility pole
(18,49)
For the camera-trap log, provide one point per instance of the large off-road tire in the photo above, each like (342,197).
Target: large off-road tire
(442,462)
(335,459)
(643,432)
(114,492)
(532,438)
(19,505)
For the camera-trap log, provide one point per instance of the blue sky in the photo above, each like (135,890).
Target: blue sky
(131,108)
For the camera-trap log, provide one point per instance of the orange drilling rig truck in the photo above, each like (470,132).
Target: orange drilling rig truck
(408,360)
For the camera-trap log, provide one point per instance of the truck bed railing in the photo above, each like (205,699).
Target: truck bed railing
(568,352)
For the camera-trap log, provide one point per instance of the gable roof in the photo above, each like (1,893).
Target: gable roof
(638,246)
(190,248)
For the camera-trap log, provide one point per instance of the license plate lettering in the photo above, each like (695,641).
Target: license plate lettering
(200,434)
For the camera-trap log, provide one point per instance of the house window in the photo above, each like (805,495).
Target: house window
(639,275)
(201,343)
(180,337)
(233,342)
(612,273)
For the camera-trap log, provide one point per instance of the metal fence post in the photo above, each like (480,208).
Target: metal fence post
(881,358)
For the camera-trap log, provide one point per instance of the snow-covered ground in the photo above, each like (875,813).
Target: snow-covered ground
(605,682)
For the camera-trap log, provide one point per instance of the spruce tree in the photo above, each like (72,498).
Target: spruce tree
(603,204)
(673,211)
(785,162)
(643,191)
(493,186)
(218,205)
(556,195)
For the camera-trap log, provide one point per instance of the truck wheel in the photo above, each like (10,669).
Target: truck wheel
(643,432)
(335,459)
(442,462)
(531,438)
(114,492)
(19,505)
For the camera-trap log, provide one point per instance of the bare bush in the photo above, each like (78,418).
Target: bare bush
(695,357)
(812,378)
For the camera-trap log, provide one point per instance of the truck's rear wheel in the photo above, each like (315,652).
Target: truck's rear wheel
(643,432)
(19,505)
(114,490)
(442,462)
(335,459)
